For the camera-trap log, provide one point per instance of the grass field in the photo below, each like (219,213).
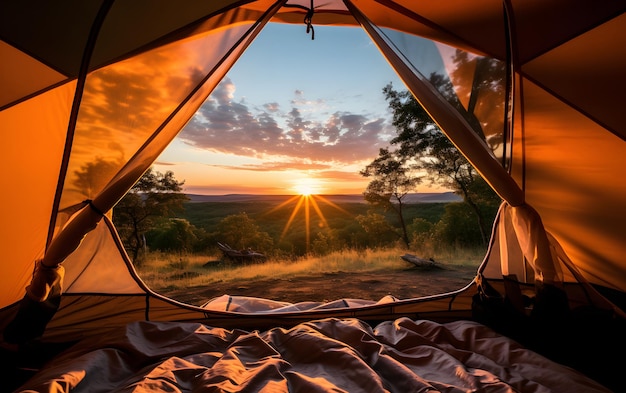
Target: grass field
(175,271)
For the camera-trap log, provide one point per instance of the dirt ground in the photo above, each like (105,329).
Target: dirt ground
(407,283)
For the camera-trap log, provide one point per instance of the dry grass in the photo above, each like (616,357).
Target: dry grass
(175,271)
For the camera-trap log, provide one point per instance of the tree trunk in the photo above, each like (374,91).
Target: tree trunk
(481,223)
(405,235)
(137,243)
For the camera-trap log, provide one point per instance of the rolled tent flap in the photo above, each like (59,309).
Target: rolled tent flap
(47,281)
(43,295)
(533,241)
(530,254)
(71,236)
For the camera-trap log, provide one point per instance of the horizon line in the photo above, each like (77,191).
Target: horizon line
(292,194)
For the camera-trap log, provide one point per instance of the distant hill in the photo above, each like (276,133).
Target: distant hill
(422,197)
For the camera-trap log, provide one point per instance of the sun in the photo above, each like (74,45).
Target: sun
(304,190)
(306,187)
(306,200)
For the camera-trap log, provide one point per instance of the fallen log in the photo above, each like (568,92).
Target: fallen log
(417,261)
(240,255)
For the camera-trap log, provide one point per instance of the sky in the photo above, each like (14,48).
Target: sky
(293,115)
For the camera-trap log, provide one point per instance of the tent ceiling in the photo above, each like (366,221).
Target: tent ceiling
(595,61)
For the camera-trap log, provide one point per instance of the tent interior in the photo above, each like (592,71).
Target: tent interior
(79,79)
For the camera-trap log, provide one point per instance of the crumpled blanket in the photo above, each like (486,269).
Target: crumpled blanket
(328,355)
(247,304)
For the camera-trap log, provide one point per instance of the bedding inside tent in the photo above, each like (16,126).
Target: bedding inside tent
(76,79)
(326,355)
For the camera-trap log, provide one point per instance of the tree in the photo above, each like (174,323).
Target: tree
(392,180)
(420,139)
(325,242)
(155,196)
(420,230)
(173,235)
(379,231)
(240,232)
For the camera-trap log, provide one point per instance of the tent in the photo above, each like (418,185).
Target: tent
(92,93)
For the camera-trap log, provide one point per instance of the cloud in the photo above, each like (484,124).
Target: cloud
(339,176)
(271,107)
(164,163)
(223,189)
(295,134)
(278,166)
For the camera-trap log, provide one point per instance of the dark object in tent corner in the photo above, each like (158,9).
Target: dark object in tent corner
(23,332)
(31,319)
(585,338)
(21,365)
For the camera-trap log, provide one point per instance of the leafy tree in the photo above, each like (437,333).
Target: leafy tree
(175,234)
(420,231)
(325,242)
(154,196)
(420,139)
(240,232)
(457,226)
(392,180)
(353,235)
(378,230)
